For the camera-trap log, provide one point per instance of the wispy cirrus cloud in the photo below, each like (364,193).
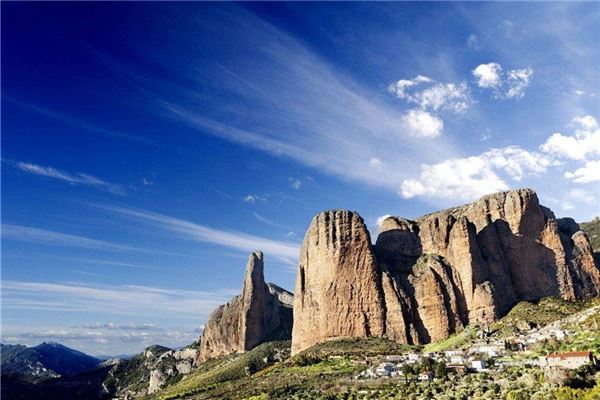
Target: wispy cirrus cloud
(284,251)
(115,299)
(77,178)
(328,109)
(43,236)
(270,222)
(126,302)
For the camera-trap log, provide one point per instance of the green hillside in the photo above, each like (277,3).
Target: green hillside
(592,228)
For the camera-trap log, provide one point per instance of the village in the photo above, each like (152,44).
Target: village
(483,355)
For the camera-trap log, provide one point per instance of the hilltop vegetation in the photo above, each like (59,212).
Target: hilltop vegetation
(526,314)
(327,370)
(593,230)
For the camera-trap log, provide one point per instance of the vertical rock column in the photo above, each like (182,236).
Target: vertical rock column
(338,291)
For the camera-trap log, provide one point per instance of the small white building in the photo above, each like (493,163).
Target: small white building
(490,350)
(457,360)
(479,365)
(570,360)
(560,335)
(394,358)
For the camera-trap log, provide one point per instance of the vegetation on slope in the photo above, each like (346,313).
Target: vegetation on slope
(592,228)
(528,314)
(355,346)
(456,341)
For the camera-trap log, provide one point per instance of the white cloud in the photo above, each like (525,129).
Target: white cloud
(473,42)
(42,236)
(127,327)
(139,303)
(114,299)
(400,88)
(586,123)
(585,141)
(444,96)
(295,183)
(284,251)
(436,97)
(270,222)
(517,162)
(147,182)
(72,178)
(253,198)
(461,178)
(579,92)
(471,177)
(329,108)
(517,82)
(506,26)
(375,163)
(485,135)
(423,124)
(590,172)
(488,75)
(511,84)
(582,196)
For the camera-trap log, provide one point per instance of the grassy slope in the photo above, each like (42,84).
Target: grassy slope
(322,367)
(455,341)
(328,367)
(593,230)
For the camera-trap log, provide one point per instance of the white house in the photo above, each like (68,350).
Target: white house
(478,365)
(570,360)
(457,360)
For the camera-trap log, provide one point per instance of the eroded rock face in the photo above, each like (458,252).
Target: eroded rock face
(338,291)
(425,279)
(261,313)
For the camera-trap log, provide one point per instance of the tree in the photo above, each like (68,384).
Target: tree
(408,370)
(441,371)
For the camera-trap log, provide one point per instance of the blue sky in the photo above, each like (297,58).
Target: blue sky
(148,148)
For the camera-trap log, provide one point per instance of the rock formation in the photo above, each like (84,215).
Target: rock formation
(424,280)
(336,285)
(261,313)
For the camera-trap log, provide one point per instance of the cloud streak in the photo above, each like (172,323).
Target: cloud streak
(114,300)
(290,102)
(77,178)
(43,236)
(285,251)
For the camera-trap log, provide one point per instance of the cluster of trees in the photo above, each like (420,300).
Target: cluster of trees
(426,365)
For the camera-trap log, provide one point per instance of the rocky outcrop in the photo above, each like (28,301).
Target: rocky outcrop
(338,289)
(261,313)
(424,280)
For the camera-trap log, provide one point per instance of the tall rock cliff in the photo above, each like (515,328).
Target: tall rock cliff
(424,280)
(337,287)
(261,313)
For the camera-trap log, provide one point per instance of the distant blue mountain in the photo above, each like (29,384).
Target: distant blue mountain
(46,360)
